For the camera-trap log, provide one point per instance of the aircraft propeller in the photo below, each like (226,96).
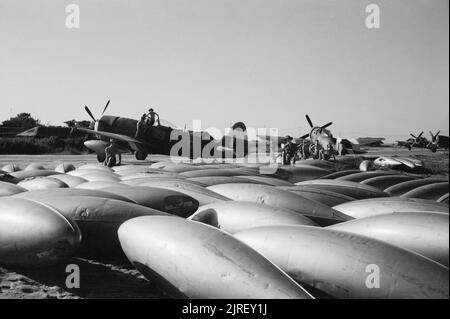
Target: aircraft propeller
(326,125)
(90,113)
(106,106)
(304,136)
(309,121)
(434,136)
(312,125)
(416,137)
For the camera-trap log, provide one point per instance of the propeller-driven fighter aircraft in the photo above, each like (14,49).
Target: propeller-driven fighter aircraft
(160,139)
(321,139)
(414,141)
(437,141)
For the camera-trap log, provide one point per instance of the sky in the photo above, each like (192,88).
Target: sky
(264,62)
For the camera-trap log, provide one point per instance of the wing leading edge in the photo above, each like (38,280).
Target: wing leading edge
(133,143)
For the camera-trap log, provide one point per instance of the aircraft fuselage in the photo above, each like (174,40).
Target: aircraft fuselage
(323,137)
(158,139)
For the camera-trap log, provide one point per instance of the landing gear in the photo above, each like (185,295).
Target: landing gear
(111,161)
(101,157)
(141,155)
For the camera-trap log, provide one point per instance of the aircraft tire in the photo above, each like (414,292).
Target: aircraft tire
(112,161)
(101,157)
(140,156)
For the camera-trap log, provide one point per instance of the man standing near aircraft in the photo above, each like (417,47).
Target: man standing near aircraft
(141,127)
(303,149)
(111,151)
(289,150)
(151,117)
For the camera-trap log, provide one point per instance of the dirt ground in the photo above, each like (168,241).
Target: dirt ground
(99,278)
(436,163)
(115,277)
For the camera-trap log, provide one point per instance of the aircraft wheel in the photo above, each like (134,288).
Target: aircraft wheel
(141,155)
(101,157)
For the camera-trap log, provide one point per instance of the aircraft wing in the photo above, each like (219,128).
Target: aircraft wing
(267,138)
(401,143)
(363,141)
(133,143)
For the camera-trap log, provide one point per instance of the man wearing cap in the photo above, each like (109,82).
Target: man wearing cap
(151,117)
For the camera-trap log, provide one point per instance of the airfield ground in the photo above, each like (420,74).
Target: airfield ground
(113,276)
(435,163)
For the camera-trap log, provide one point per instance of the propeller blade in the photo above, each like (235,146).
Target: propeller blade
(304,136)
(437,133)
(106,106)
(309,121)
(412,135)
(420,135)
(326,125)
(89,112)
(433,137)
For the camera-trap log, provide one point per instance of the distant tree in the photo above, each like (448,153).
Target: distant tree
(24,120)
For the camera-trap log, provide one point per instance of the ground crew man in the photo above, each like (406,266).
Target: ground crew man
(321,153)
(289,150)
(111,151)
(314,149)
(303,150)
(141,127)
(151,117)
